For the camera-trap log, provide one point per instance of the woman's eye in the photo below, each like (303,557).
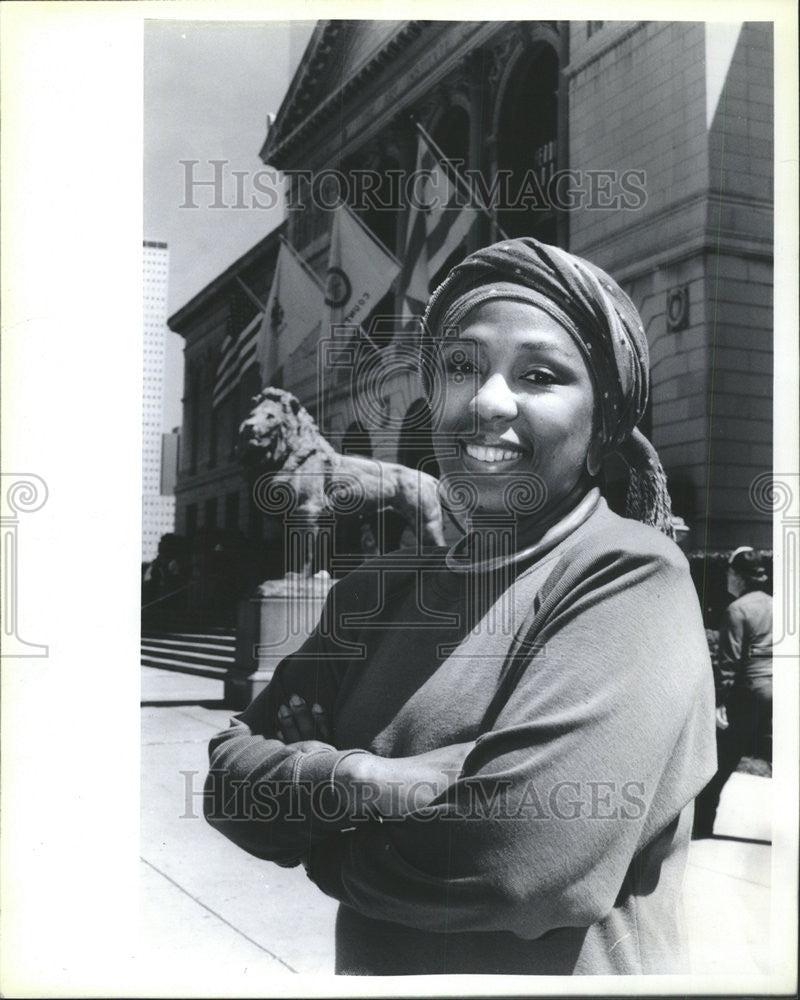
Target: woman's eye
(539,376)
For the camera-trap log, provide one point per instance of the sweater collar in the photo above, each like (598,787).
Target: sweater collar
(472,553)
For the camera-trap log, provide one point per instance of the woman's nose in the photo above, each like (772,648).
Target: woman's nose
(494,400)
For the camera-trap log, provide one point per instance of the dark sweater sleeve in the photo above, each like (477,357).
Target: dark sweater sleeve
(603,739)
(265,795)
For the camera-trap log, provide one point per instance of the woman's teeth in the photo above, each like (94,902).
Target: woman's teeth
(485,453)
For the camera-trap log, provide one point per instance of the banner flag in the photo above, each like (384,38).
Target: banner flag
(440,218)
(293,311)
(360,270)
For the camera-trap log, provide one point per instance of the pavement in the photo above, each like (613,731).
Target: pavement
(215,921)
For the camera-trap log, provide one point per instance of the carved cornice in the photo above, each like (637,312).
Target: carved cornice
(371,100)
(301,89)
(396,102)
(298,119)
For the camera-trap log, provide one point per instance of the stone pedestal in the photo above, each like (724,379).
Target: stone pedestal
(267,630)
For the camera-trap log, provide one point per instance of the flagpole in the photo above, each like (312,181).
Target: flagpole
(251,295)
(301,262)
(369,233)
(438,152)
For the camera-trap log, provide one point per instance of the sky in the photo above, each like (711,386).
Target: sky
(208,88)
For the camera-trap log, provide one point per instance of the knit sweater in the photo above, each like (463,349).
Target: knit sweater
(561,846)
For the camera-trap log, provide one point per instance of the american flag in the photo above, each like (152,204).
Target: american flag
(238,348)
(436,225)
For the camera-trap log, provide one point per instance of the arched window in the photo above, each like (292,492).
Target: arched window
(527,143)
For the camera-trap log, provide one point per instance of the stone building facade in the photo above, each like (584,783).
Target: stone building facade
(211,492)
(644,146)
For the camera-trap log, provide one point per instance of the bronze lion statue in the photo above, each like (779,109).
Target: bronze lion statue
(296,473)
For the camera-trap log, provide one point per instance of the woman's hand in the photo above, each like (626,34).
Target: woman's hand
(296,724)
(389,787)
(393,787)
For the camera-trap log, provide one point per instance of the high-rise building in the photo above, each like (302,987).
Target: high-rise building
(158,510)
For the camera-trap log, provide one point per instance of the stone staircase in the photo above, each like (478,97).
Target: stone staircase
(205,654)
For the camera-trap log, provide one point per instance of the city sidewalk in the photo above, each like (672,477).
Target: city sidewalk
(211,914)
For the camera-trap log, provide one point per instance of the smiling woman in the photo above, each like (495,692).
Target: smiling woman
(489,754)
(519,401)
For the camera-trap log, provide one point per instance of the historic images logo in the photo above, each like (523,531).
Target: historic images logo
(478,799)
(780,494)
(23,493)
(418,190)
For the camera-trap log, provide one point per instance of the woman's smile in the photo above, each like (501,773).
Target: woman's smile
(495,453)
(517,401)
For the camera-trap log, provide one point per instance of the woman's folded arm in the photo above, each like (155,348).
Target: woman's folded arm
(606,738)
(275,798)
(256,792)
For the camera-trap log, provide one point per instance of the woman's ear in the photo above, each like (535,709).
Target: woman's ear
(594,457)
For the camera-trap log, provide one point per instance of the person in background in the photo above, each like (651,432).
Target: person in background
(744,681)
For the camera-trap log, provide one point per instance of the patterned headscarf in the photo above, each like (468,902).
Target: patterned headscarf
(604,324)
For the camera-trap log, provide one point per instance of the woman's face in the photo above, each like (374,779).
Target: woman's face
(517,400)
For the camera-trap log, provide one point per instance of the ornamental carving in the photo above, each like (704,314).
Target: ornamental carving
(500,54)
(541,31)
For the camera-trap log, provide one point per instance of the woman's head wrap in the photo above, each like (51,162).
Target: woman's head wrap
(604,324)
